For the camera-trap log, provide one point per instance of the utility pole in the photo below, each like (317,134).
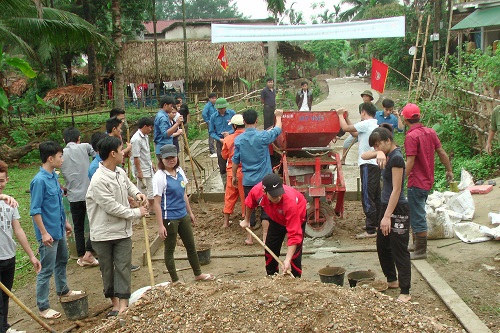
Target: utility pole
(185,47)
(438,9)
(157,74)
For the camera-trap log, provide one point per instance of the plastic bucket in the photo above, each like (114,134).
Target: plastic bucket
(357,276)
(203,251)
(76,307)
(332,275)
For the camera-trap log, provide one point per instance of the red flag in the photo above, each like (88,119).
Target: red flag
(379,75)
(222,58)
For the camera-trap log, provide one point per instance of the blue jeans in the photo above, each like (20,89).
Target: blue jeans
(416,200)
(54,260)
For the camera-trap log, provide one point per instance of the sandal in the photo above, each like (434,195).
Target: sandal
(208,278)
(72,293)
(83,263)
(112,313)
(50,314)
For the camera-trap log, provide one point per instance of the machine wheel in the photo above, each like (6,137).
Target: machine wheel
(324,227)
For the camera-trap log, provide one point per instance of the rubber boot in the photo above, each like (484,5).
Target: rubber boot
(420,248)
(411,246)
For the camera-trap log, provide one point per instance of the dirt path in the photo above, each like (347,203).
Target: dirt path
(469,269)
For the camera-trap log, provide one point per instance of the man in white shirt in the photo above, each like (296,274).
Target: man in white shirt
(369,170)
(304,98)
(141,154)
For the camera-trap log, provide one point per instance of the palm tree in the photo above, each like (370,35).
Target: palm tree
(358,7)
(24,25)
(294,17)
(119,86)
(27,28)
(277,7)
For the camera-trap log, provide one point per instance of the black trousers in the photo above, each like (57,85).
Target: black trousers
(78,212)
(268,116)
(220,160)
(274,240)
(370,195)
(392,249)
(7,270)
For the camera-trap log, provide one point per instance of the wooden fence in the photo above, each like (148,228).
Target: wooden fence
(474,108)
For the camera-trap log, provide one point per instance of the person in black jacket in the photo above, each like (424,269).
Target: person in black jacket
(304,98)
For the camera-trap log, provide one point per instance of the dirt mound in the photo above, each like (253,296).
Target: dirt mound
(278,304)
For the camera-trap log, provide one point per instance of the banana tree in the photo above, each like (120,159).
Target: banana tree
(8,64)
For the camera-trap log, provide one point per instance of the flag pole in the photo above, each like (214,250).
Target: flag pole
(394,69)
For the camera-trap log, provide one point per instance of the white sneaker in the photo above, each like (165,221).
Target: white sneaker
(12,330)
(214,155)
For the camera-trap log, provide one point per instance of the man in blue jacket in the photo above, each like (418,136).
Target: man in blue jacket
(220,127)
(208,110)
(251,149)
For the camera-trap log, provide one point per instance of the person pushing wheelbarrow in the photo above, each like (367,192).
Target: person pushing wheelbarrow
(286,208)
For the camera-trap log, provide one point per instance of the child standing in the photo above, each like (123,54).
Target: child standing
(76,164)
(173,213)
(227,153)
(51,228)
(368,169)
(393,231)
(110,220)
(9,222)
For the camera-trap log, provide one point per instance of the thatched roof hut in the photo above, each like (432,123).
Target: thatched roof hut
(246,60)
(18,87)
(72,97)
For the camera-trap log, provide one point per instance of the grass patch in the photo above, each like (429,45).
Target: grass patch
(19,183)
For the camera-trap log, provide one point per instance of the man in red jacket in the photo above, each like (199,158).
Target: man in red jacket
(286,208)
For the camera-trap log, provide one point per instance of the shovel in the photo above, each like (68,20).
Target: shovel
(28,311)
(268,250)
(148,251)
(199,190)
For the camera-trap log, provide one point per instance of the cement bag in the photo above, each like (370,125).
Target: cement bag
(470,232)
(492,232)
(494,218)
(435,200)
(462,203)
(440,223)
(466,180)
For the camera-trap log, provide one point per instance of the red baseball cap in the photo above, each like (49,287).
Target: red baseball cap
(411,111)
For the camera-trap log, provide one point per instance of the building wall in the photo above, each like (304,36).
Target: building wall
(192,32)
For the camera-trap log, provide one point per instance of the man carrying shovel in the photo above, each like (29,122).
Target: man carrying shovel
(286,208)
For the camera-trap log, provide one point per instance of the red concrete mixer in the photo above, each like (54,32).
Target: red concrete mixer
(312,167)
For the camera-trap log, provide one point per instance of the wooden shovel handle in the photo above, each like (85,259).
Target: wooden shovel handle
(148,252)
(268,250)
(25,308)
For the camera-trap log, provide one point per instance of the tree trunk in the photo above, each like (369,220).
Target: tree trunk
(57,68)
(91,56)
(118,84)
(69,75)
(11,155)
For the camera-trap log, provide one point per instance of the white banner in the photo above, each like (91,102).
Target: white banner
(379,28)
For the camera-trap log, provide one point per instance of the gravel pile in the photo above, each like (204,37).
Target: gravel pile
(277,304)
